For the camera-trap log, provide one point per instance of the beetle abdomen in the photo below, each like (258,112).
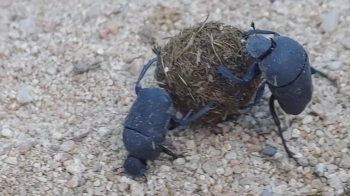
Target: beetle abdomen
(140,146)
(295,97)
(285,63)
(150,113)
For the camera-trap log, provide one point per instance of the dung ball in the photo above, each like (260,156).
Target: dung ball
(187,69)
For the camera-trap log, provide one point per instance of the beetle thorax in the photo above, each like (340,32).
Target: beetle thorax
(258,45)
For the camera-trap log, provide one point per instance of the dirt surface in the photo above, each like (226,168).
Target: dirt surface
(67,75)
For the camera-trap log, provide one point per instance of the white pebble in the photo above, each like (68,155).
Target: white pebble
(76,167)
(67,146)
(99,51)
(6,133)
(179,161)
(24,95)
(220,171)
(11,160)
(330,21)
(335,65)
(97,183)
(320,169)
(335,182)
(72,183)
(103,131)
(295,133)
(307,119)
(346,42)
(231,155)
(190,144)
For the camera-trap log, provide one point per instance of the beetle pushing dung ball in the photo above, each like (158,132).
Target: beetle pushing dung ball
(147,124)
(187,69)
(285,65)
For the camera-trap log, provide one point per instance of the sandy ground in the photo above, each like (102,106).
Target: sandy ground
(61,132)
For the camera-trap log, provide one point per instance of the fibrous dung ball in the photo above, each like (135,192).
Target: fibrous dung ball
(187,69)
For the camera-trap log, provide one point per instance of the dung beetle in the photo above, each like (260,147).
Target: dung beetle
(147,124)
(285,66)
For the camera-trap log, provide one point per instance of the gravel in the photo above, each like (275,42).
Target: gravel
(67,75)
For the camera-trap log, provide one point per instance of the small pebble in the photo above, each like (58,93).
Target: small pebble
(335,65)
(244,182)
(266,192)
(75,168)
(330,21)
(335,182)
(72,183)
(97,183)
(103,131)
(317,184)
(320,169)
(11,160)
(238,169)
(190,144)
(6,133)
(24,95)
(307,119)
(295,133)
(345,162)
(269,151)
(68,145)
(210,167)
(332,168)
(122,186)
(99,51)
(231,155)
(346,42)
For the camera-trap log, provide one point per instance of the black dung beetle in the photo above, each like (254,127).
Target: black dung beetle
(284,64)
(147,124)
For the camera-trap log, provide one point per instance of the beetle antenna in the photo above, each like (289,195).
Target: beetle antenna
(252,25)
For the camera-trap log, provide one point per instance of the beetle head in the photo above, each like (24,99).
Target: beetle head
(135,167)
(258,46)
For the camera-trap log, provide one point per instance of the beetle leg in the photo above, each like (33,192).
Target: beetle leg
(146,180)
(258,96)
(174,122)
(142,74)
(253,72)
(333,81)
(169,152)
(280,131)
(194,117)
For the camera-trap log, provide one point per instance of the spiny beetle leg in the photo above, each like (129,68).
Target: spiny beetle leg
(170,153)
(258,96)
(174,122)
(194,117)
(142,74)
(333,81)
(253,72)
(280,131)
